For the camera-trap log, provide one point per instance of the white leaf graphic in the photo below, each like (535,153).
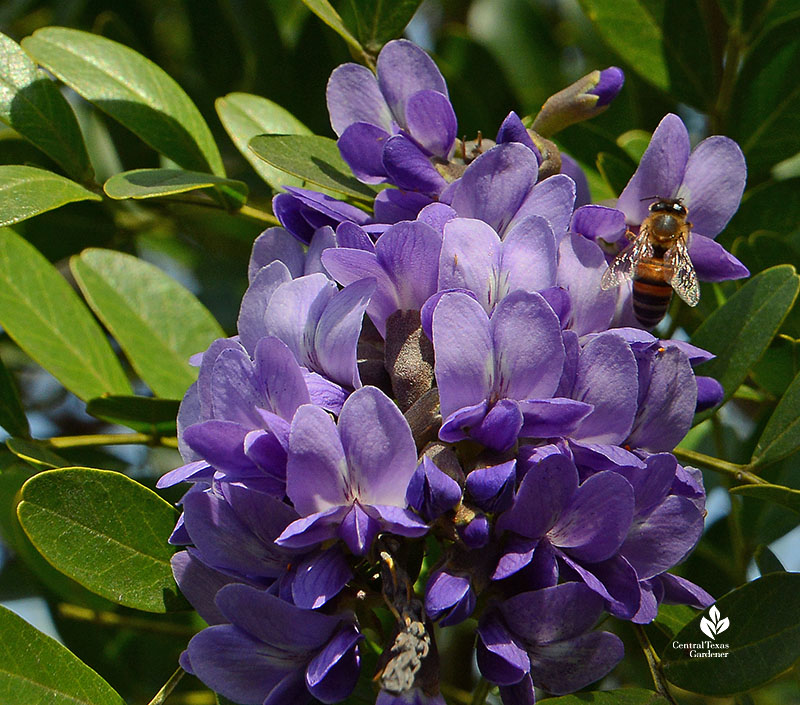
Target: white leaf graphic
(723,624)
(714,613)
(707,627)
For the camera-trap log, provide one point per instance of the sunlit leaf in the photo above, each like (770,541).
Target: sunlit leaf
(132,90)
(778,494)
(106,531)
(26,191)
(326,12)
(31,103)
(36,670)
(157,322)
(379,21)
(45,317)
(244,116)
(314,159)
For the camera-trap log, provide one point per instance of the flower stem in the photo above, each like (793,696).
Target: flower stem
(168,687)
(111,619)
(481,692)
(112,439)
(258,214)
(735,471)
(654,664)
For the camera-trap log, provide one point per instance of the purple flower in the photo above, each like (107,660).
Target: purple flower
(432,492)
(303,212)
(497,376)
(542,637)
(708,180)
(449,597)
(273,652)
(395,126)
(350,481)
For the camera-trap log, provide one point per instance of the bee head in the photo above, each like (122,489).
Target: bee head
(669,205)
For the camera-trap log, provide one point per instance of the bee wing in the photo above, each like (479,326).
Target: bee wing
(624,265)
(684,278)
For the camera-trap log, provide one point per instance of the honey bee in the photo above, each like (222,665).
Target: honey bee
(657,260)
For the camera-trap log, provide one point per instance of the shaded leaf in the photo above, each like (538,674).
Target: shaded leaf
(314,159)
(767,561)
(781,437)
(12,415)
(36,453)
(143,414)
(779,365)
(769,206)
(162,183)
(45,317)
(622,696)
(615,172)
(778,494)
(35,669)
(672,618)
(739,332)
(132,90)
(31,103)
(26,191)
(106,531)
(157,322)
(379,21)
(244,116)
(763,639)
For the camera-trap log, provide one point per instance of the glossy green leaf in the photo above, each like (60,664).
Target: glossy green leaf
(765,108)
(781,437)
(31,103)
(12,415)
(143,414)
(26,191)
(634,142)
(772,205)
(669,49)
(163,183)
(779,365)
(244,116)
(314,159)
(672,618)
(326,12)
(36,453)
(106,531)
(763,639)
(778,494)
(36,670)
(45,317)
(157,322)
(739,332)
(767,561)
(132,90)
(378,21)
(622,696)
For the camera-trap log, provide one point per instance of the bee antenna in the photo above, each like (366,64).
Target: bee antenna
(649,198)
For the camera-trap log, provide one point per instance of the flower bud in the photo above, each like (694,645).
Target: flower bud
(587,97)
(709,393)
(475,534)
(449,596)
(432,492)
(492,488)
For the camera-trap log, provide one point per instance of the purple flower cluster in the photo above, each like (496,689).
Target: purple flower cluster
(444,371)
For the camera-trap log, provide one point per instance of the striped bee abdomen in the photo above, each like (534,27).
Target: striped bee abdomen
(651,294)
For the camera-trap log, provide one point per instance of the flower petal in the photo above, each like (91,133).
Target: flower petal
(357,530)
(361,146)
(712,262)
(251,324)
(333,672)
(500,658)
(409,168)
(431,122)
(409,252)
(276,244)
(552,199)
(529,255)
(353,95)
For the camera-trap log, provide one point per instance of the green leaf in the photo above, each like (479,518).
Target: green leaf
(781,437)
(622,696)
(36,670)
(739,332)
(615,172)
(157,322)
(778,494)
(26,191)
(326,12)
(45,317)
(31,103)
(378,21)
(12,414)
(143,414)
(765,108)
(162,183)
(244,116)
(132,90)
(35,452)
(763,639)
(771,206)
(767,561)
(671,50)
(314,159)
(107,532)
(672,618)
(634,142)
